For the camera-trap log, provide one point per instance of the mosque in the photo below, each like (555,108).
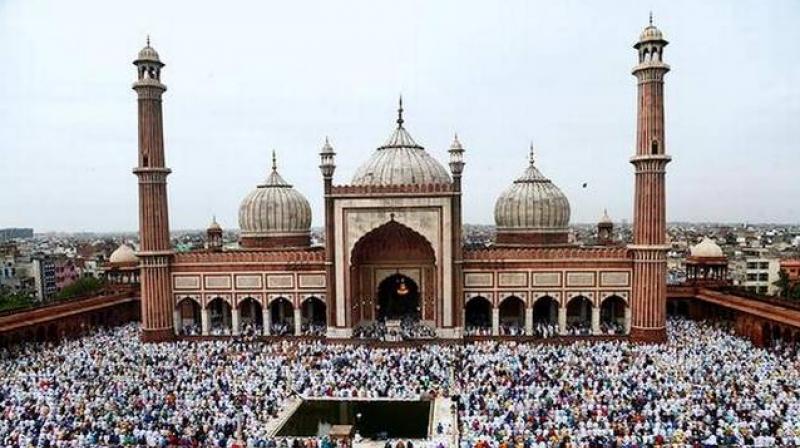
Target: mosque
(393,242)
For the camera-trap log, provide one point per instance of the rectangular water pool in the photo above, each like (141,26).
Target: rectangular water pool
(376,419)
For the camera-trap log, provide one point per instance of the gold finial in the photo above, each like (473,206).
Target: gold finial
(400,112)
(274,161)
(530,155)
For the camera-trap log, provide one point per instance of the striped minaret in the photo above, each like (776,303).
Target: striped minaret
(155,251)
(649,248)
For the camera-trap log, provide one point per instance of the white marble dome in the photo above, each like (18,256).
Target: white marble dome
(274,208)
(148,53)
(123,255)
(651,33)
(706,248)
(400,161)
(532,202)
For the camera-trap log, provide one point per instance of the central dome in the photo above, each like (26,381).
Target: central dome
(400,161)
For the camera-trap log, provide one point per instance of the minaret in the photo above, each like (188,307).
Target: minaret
(155,252)
(649,248)
(328,166)
(456,169)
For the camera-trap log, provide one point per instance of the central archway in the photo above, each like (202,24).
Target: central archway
(398,298)
(392,275)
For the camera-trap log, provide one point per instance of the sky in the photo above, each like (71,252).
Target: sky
(246,78)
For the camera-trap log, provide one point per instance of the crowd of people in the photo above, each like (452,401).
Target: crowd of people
(704,387)
(407,329)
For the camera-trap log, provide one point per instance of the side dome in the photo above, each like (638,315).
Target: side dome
(400,161)
(706,248)
(123,255)
(532,211)
(275,215)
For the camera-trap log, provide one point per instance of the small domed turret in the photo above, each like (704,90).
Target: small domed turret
(123,255)
(214,235)
(706,248)
(148,53)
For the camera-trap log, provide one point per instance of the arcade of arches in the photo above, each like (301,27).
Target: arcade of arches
(580,315)
(392,275)
(218,317)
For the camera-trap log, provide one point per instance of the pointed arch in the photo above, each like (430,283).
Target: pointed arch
(478,315)
(189,313)
(512,315)
(390,238)
(281,316)
(579,315)
(220,316)
(612,315)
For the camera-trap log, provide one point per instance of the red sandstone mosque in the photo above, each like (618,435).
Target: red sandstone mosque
(393,242)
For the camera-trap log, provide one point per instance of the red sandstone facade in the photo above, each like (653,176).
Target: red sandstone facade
(410,233)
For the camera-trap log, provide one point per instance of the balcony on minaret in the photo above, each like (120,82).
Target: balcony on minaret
(651,49)
(148,67)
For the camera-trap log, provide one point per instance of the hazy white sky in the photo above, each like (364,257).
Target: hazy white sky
(245,78)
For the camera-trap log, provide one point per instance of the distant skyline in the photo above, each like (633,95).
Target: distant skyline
(261,76)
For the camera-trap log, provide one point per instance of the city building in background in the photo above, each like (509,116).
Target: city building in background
(15,233)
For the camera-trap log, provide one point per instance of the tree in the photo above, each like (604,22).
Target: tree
(84,286)
(10,300)
(783,283)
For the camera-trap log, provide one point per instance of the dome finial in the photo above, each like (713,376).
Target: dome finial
(651,18)
(148,39)
(274,161)
(530,155)
(400,112)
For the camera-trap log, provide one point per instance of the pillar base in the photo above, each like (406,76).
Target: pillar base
(649,335)
(156,336)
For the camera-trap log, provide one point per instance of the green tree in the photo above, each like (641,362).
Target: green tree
(84,286)
(10,300)
(783,283)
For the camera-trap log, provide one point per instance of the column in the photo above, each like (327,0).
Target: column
(176,319)
(235,321)
(266,320)
(528,321)
(298,321)
(562,320)
(627,319)
(495,321)
(205,321)
(595,320)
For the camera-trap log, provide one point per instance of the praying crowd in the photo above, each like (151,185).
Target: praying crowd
(704,387)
